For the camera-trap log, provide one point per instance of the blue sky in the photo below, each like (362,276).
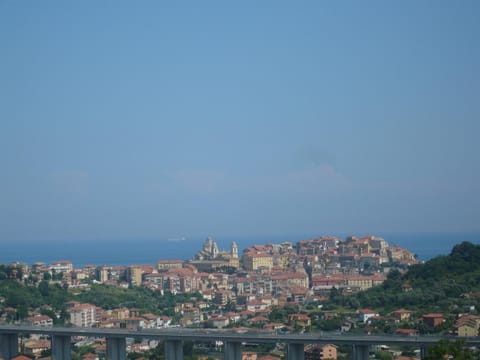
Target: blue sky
(160,119)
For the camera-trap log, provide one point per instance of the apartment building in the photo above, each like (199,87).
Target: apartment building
(83,315)
(254,261)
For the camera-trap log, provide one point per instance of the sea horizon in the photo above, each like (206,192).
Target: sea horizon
(150,250)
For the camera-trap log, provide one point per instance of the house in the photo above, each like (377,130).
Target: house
(61,266)
(256,305)
(401,315)
(135,322)
(249,355)
(138,347)
(320,352)
(329,351)
(254,260)
(233,317)
(258,320)
(35,347)
(219,322)
(326,282)
(346,326)
(433,320)
(120,313)
(22,357)
(164,321)
(406,332)
(246,314)
(222,297)
(301,320)
(468,325)
(83,315)
(298,293)
(39,320)
(169,264)
(190,316)
(363,282)
(274,326)
(366,314)
(469,329)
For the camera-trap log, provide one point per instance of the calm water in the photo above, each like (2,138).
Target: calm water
(148,251)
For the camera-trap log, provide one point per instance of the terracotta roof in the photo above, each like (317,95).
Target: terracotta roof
(258,255)
(258,319)
(39,318)
(402,311)
(367,311)
(433,315)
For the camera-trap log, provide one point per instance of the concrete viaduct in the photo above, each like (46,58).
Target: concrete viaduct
(174,337)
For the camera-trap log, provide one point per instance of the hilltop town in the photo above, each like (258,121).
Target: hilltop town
(287,287)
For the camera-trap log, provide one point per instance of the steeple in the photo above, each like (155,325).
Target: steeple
(234,251)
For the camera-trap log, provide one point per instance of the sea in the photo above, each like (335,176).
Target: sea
(150,250)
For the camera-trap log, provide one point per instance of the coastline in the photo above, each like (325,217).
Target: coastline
(149,251)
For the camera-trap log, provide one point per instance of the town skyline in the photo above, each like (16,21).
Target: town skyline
(148,251)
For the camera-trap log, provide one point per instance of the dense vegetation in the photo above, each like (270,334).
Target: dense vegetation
(456,349)
(443,284)
(109,297)
(51,298)
(47,297)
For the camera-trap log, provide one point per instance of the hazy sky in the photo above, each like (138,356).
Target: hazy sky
(165,118)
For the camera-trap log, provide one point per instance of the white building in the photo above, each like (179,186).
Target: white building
(39,320)
(83,315)
(61,266)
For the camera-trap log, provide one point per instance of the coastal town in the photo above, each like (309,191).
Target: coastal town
(277,288)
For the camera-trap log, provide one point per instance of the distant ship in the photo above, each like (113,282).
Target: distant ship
(183,238)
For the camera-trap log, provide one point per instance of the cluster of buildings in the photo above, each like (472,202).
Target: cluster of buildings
(285,271)
(240,290)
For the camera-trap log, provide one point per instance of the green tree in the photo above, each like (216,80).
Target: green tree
(44,288)
(230,306)
(456,349)
(278,315)
(383,355)
(47,276)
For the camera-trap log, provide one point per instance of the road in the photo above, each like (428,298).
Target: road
(230,336)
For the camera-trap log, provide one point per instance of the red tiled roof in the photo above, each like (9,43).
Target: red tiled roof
(258,319)
(433,315)
(367,311)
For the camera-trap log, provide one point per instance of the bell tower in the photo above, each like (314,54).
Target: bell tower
(234,251)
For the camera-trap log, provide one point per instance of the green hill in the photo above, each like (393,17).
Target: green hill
(443,284)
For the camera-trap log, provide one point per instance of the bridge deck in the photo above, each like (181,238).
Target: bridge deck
(256,337)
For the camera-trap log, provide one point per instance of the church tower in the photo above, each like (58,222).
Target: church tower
(234,251)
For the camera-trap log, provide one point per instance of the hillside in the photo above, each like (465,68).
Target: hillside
(443,284)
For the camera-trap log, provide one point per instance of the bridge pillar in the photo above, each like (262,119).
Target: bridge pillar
(295,351)
(424,351)
(116,348)
(61,347)
(360,352)
(232,351)
(173,349)
(8,345)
